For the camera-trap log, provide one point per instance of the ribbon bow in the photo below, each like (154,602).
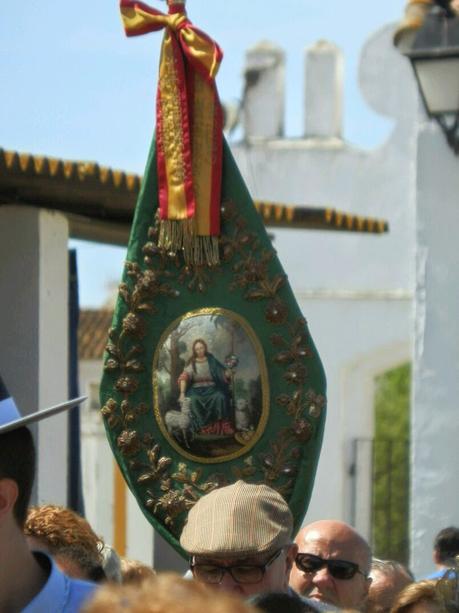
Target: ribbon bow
(189,130)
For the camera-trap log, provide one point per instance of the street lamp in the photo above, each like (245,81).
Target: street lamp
(434,55)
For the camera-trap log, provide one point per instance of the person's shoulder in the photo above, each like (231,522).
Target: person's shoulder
(60,594)
(436,575)
(79,592)
(442,573)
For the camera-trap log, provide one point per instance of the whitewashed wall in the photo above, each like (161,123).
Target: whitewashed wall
(355,290)
(34,330)
(435,427)
(98,469)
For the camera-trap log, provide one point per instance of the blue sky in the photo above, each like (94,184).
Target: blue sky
(73,86)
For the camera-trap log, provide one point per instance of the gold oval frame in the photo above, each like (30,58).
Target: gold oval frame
(265,394)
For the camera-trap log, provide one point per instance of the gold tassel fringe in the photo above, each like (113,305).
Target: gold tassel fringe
(179,236)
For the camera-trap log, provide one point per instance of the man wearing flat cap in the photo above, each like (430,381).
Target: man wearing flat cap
(239,539)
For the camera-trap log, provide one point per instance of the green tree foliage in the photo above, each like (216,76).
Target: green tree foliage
(391,465)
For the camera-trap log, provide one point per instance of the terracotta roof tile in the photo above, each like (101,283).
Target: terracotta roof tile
(92,332)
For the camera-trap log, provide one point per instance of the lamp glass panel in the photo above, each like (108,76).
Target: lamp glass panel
(439,82)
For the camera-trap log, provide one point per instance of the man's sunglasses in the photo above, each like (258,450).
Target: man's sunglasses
(339,569)
(241,573)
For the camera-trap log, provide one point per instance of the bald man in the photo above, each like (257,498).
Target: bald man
(388,578)
(332,565)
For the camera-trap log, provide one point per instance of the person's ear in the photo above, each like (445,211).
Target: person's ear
(290,557)
(436,556)
(8,495)
(368,582)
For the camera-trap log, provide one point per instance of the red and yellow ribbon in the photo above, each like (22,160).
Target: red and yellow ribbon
(189,130)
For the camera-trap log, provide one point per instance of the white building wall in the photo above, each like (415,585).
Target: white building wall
(435,425)
(355,290)
(34,332)
(97,459)
(53,331)
(359,336)
(98,469)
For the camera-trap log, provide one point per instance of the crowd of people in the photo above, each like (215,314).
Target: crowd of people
(243,556)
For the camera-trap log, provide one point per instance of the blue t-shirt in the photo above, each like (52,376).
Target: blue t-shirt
(60,594)
(447,573)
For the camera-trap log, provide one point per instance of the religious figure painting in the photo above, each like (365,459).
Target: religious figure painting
(210,385)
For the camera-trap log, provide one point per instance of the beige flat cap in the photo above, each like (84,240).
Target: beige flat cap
(238,520)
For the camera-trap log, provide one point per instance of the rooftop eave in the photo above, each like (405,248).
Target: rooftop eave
(99,201)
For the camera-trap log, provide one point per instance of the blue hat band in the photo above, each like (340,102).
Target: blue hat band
(8,411)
